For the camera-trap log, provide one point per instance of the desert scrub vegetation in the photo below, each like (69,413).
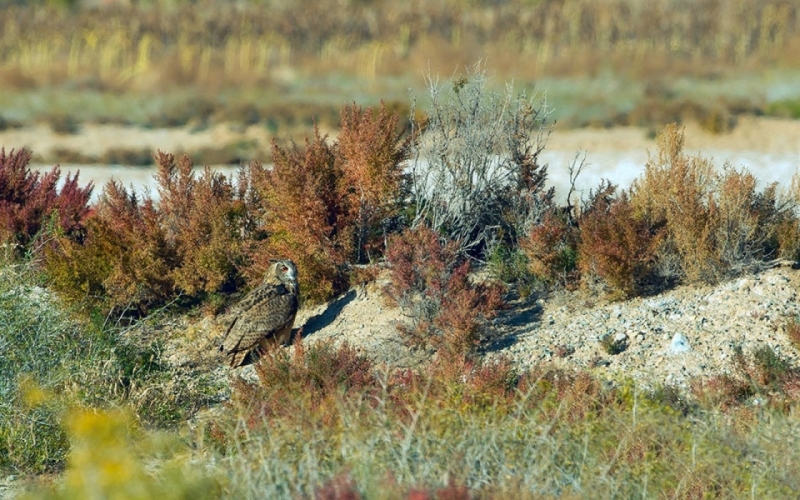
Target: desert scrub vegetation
(324,205)
(715,223)
(469,171)
(337,424)
(793,331)
(682,221)
(139,253)
(614,244)
(475,175)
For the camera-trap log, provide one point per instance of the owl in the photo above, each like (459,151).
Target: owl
(265,316)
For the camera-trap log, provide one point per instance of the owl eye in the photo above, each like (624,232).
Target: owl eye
(285,269)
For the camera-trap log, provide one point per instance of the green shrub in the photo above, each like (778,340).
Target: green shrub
(54,364)
(511,266)
(48,361)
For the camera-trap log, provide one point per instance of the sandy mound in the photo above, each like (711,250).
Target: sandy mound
(687,332)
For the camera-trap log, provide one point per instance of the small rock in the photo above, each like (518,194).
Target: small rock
(640,337)
(620,337)
(679,344)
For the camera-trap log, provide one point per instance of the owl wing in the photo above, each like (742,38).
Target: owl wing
(260,314)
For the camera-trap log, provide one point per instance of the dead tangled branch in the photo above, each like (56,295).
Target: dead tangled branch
(476,162)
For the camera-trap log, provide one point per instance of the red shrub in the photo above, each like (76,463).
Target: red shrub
(341,487)
(142,253)
(447,309)
(324,205)
(551,249)
(793,331)
(124,262)
(452,491)
(615,245)
(315,378)
(204,220)
(28,200)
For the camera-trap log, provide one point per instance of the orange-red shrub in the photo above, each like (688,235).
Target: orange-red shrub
(125,262)
(141,253)
(324,204)
(551,249)
(340,487)
(316,375)
(205,220)
(305,217)
(371,154)
(793,331)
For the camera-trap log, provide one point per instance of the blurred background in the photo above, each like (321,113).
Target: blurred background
(102,84)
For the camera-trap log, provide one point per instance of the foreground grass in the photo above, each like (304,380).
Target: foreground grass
(53,365)
(322,424)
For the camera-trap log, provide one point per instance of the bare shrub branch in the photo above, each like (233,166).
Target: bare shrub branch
(477,159)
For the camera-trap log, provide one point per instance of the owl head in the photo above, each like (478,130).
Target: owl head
(283,271)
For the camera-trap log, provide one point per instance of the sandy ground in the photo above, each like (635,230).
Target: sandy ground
(770,148)
(765,135)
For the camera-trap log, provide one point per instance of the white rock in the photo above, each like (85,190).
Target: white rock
(679,344)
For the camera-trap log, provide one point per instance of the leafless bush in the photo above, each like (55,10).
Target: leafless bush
(476,175)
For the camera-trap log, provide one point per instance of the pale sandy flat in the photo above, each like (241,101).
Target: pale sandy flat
(770,148)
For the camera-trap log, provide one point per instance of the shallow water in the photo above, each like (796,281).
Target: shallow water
(619,167)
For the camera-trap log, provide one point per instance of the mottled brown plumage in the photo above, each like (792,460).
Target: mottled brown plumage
(265,316)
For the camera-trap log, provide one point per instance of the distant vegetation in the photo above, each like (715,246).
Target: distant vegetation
(278,63)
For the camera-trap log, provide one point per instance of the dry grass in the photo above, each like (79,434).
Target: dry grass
(222,44)
(217,52)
